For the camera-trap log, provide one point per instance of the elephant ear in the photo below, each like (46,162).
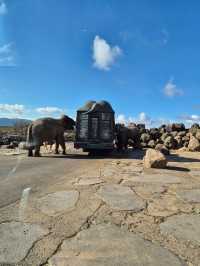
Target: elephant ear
(67,122)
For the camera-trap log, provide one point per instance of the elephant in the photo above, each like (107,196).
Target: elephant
(127,135)
(48,130)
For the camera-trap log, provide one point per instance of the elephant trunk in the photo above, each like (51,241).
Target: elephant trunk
(29,139)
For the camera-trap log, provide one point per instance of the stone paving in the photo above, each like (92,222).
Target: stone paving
(105,244)
(119,214)
(55,203)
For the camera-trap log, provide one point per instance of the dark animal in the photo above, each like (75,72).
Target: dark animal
(126,135)
(47,130)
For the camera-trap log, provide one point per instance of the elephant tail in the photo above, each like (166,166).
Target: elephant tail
(29,138)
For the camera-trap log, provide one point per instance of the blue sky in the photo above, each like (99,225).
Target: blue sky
(142,56)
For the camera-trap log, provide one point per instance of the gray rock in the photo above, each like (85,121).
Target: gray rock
(179,142)
(192,196)
(121,198)
(183,227)
(16,239)
(197,135)
(106,245)
(185,140)
(155,134)
(177,127)
(169,142)
(194,144)
(162,148)
(194,129)
(55,203)
(164,136)
(182,133)
(151,144)
(143,145)
(174,133)
(145,137)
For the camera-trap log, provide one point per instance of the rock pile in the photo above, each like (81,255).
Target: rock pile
(164,138)
(11,141)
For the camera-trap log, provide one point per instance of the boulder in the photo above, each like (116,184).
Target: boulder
(195,125)
(152,144)
(141,128)
(164,136)
(162,148)
(162,129)
(197,135)
(178,127)
(194,144)
(179,142)
(154,159)
(174,133)
(183,149)
(143,145)
(186,144)
(145,137)
(155,134)
(194,129)
(182,134)
(170,143)
(185,140)
(12,145)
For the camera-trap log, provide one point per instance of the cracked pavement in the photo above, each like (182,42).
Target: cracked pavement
(77,210)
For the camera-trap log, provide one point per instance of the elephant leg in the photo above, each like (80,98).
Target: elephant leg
(30,152)
(62,143)
(57,146)
(37,151)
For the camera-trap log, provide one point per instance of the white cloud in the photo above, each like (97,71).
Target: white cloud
(3,8)
(6,48)
(15,109)
(22,111)
(103,54)
(171,89)
(121,119)
(190,118)
(48,110)
(142,118)
(7,57)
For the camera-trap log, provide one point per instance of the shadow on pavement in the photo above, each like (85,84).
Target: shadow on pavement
(177,168)
(178,158)
(136,154)
(130,154)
